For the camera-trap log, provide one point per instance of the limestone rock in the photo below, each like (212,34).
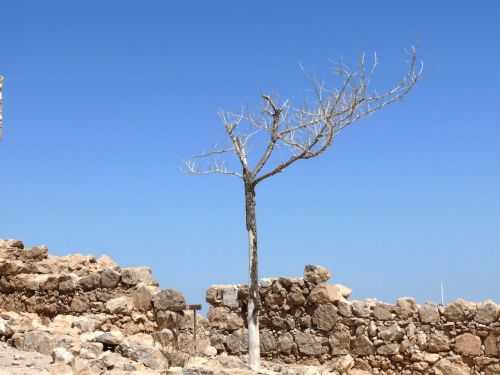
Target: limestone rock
(285,343)
(391,333)
(12,243)
(362,309)
(308,344)
(35,341)
(429,313)
(110,278)
(267,342)
(316,274)
(438,342)
(142,297)
(406,307)
(224,319)
(388,349)
(296,298)
(491,346)
(487,312)
(230,297)
(61,355)
(458,310)
(148,356)
(169,299)
(340,341)
(468,344)
(120,305)
(383,311)
(237,342)
(325,317)
(492,369)
(446,367)
(136,275)
(90,282)
(323,293)
(5,330)
(362,345)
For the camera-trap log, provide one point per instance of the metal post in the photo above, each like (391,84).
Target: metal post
(194,333)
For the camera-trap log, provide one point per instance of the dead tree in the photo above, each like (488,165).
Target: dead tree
(287,134)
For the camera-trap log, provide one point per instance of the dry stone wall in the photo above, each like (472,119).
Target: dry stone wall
(99,315)
(308,320)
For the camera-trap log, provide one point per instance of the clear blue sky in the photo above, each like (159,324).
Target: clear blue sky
(103,101)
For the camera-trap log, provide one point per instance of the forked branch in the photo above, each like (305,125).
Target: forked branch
(306,131)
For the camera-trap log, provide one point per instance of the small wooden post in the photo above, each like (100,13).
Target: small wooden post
(195,308)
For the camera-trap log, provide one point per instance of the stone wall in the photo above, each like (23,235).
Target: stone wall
(307,320)
(99,313)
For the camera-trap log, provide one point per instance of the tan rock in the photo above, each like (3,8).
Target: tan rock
(316,274)
(325,317)
(383,311)
(491,345)
(406,307)
(136,275)
(447,367)
(487,312)
(429,313)
(120,305)
(326,293)
(468,344)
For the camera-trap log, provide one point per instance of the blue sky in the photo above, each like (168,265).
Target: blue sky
(104,100)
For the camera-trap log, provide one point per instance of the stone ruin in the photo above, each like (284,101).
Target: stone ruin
(90,313)
(89,316)
(309,321)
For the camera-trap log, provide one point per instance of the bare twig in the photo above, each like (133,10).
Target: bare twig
(306,131)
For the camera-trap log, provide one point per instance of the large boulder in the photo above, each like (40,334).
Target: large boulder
(325,317)
(110,278)
(406,307)
(35,341)
(459,310)
(340,340)
(136,275)
(447,367)
(429,313)
(308,344)
(230,297)
(326,293)
(120,305)
(223,319)
(362,346)
(383,311)
(168,299)
(438,342)
(90,282)
(142,297)
(468,344)
(487,312)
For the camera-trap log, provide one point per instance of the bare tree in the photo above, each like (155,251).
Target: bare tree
(287,134)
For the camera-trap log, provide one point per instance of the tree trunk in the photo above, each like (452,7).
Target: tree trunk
(253,295)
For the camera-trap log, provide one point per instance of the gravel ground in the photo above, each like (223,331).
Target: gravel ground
(16,362)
